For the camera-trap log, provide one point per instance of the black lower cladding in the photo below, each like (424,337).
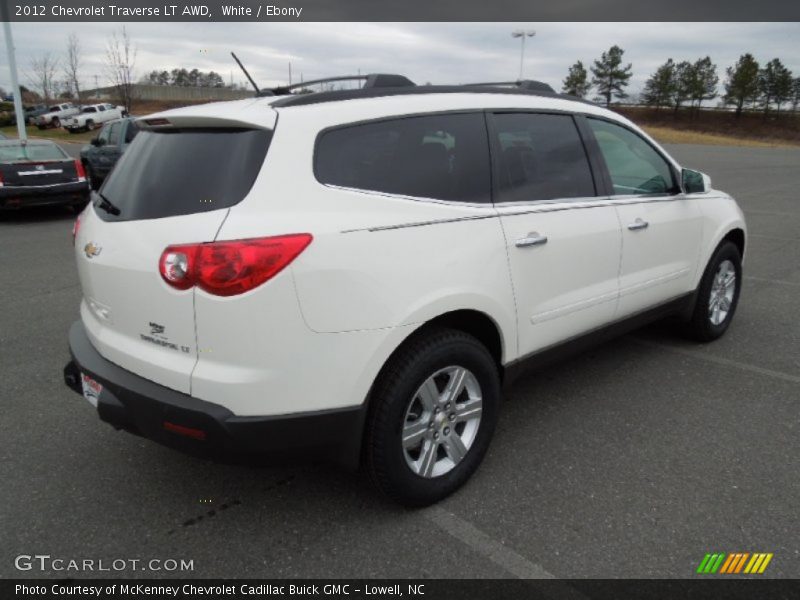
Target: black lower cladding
(141,406)
(21,196)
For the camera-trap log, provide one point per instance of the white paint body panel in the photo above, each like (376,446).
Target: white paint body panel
(316,335)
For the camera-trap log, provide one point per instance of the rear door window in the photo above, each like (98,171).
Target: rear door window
(539,157)
(184,171)
(443,157)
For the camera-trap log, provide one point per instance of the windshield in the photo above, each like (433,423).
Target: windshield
(89,109)
(31,152)
(55,108)
(184,171)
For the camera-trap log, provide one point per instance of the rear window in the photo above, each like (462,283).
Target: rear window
(444,157)
(31,152)
(184,171)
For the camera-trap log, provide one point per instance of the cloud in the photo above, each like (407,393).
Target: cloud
(425,52)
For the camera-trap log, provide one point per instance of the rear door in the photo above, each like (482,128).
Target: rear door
(563,244)
(172,186)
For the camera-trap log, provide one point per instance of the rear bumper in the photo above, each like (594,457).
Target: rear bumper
(12,197)
(140,406)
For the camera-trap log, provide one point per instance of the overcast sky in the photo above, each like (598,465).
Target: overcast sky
(425,52)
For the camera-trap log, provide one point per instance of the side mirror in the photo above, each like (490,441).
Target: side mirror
(96,141)
(695,182)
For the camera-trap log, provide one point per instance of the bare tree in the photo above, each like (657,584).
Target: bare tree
(42,75)
(73,64)
(120,63)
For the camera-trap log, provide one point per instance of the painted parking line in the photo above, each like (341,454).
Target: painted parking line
(776,281)
(719,360)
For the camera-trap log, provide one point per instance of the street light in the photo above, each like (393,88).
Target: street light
(522,35)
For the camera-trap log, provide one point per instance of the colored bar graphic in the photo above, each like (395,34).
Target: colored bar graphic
(703,563)
(734,563)
(765,563)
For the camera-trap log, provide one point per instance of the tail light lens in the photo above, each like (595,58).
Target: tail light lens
(230,268)
(80,170)
(1,180)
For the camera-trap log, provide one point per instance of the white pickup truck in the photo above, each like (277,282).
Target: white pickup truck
(56,115)
(93,116)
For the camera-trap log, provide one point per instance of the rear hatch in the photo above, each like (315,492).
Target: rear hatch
(173,185)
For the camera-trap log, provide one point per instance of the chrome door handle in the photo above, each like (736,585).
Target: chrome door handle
(532,239)
(638,224)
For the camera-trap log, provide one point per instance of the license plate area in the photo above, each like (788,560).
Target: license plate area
(91,389)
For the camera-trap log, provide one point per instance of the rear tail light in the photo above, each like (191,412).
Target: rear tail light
(230,268)
(1,180)
(80,170)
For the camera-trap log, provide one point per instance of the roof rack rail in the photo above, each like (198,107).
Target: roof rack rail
(524,84)
(373,80)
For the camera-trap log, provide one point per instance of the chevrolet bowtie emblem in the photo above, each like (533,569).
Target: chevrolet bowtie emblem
(91,250)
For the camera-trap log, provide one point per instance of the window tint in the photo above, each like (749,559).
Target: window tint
(102,108)
(540,157)
(444,157)
(113,134)
(131,131)
(634,165)
(104,133)
(180,172)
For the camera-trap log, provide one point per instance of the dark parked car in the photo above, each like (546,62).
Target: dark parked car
(104,150)
(39,173)
(33,112)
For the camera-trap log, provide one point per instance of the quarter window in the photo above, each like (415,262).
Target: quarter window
(443,157)
(634,165)
(113,135)
(540,157)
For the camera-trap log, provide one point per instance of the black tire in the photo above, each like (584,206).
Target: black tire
(90,125)
(56,122)
(700,326)
(413,364)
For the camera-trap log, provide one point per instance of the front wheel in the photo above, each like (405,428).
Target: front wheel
(433,413)
(90,125)
(718,294)
(56,122)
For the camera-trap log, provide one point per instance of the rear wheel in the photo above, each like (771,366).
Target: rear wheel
(718,294)
(433,413)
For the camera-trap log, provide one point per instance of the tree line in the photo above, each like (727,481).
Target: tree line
(675,84)
(184,78)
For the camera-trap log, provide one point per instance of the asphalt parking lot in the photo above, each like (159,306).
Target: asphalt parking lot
(632,460)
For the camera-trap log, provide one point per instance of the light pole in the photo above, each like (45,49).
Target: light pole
(12,66)
(522,35)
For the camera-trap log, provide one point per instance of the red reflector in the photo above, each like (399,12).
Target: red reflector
(191,432)
(80,170)
(230,268)
(76,227)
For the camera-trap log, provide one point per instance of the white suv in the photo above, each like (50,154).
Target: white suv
(355,273)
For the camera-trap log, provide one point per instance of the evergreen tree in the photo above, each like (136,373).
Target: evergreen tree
(775,84)
(577,81)
(704,81)
(658,90)
(610,76)
(742,83)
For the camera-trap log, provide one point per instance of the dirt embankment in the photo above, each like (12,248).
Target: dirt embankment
(718,127)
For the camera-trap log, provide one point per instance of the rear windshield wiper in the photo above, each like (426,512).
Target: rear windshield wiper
(107,205)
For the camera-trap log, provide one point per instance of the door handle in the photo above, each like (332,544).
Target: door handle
(532,239)
(638,224)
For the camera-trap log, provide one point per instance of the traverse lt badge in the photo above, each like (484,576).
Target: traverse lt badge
(91,250)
